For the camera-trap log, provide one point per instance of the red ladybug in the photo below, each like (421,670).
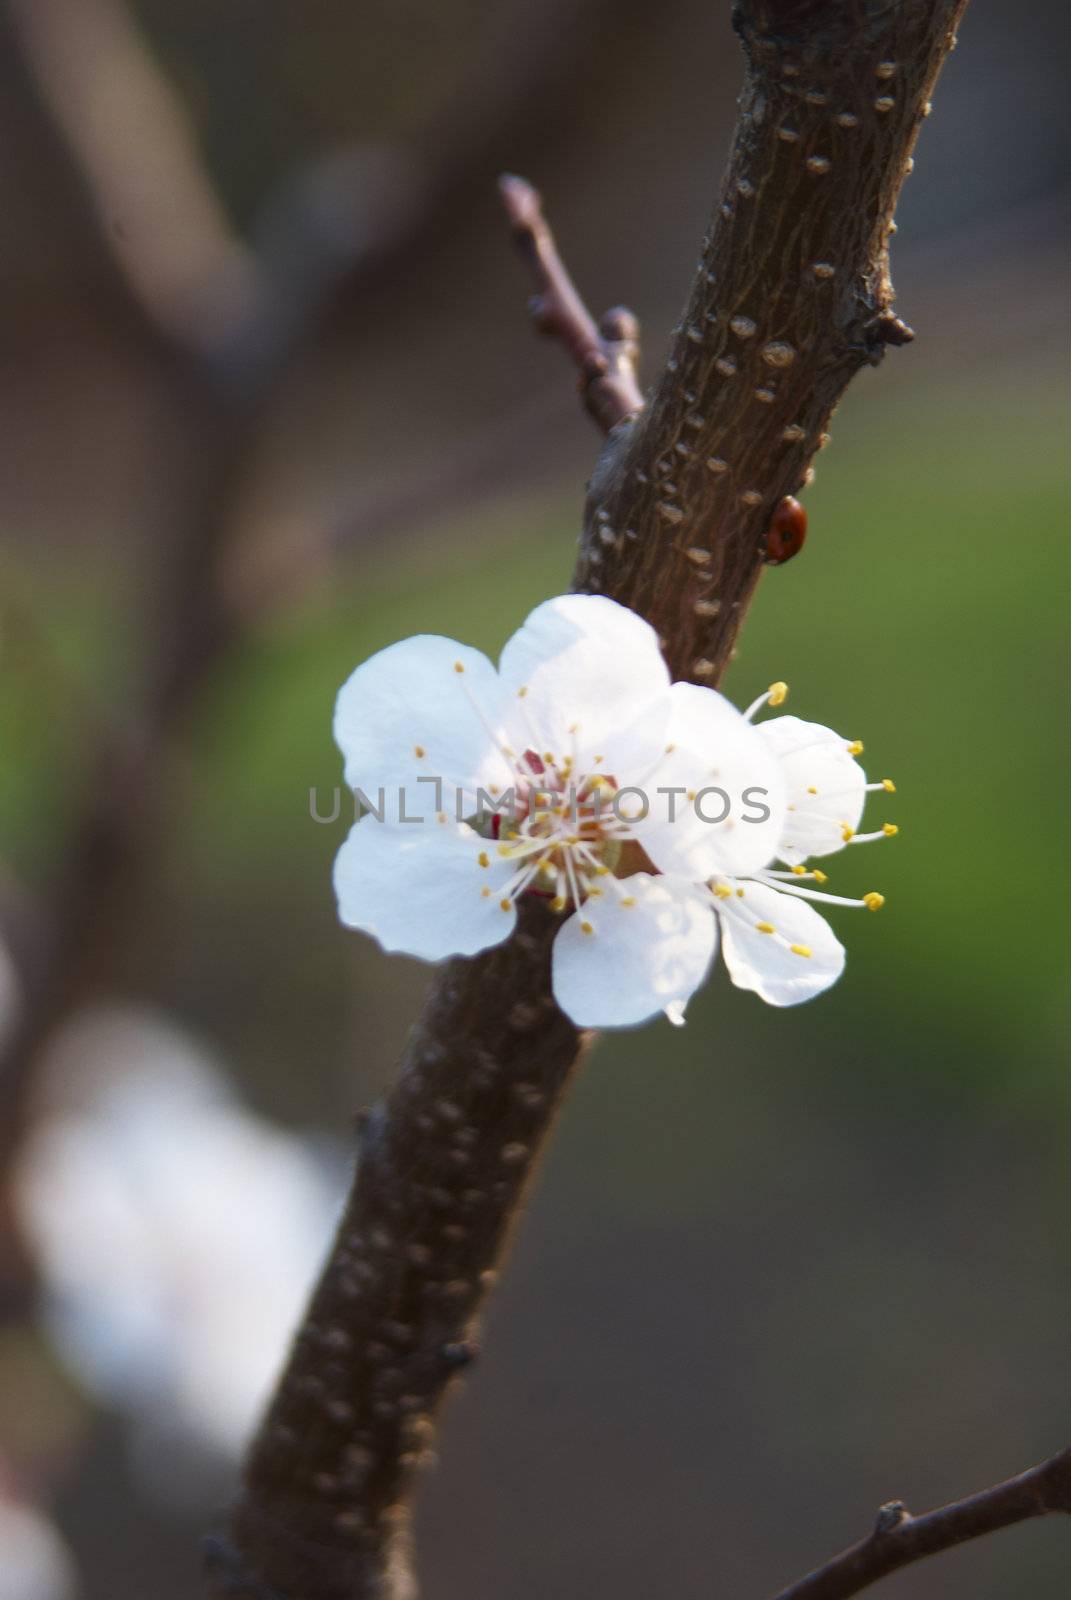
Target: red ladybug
(786,533)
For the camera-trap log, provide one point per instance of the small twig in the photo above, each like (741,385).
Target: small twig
(605,355)
(899,1538)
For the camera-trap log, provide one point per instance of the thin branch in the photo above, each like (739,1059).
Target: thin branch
(899,1538)
(606,355)
(674,524)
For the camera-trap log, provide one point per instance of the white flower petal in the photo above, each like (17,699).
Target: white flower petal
(825,787)
(639,959)
(715,749)
(408,713)
(594,685)
(765,962)
(423,890)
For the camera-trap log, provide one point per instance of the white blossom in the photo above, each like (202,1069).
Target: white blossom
(650,814)
(773,941)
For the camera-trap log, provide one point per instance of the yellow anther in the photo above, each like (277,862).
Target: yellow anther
(596,894)
(485,892)
(558,903)
(765,927)
(484,859)
(602,872)
(723,891)
(522,691)
(820,877)
(458,667)
(548,757)
(801,950)
(890,830)
(585,927)
(778,693)
(597,760)
(873,901)
(670,749)
(847,834)
(740,894)
(888,785)
(856,747)
(628,900)
(800,871)
(504,904)
(811,789)
(419,752)
(505,850)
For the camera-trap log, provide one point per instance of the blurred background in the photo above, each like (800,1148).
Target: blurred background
(261,320)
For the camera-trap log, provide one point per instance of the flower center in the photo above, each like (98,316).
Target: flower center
(565,834)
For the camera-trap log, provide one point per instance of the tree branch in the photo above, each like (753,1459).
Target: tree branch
(899,1538)
(442,1171)
(606,356)
(792,296)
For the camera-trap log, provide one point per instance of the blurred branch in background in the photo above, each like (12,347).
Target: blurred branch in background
(232,333)
(133,143)
(899,1539)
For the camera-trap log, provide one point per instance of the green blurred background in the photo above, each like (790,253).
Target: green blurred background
(781,1267)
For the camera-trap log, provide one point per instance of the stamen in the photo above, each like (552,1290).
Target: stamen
(797,889)
(873,901)
(801,950)
(888,830)
(775,695)
(855,748)
(796,872)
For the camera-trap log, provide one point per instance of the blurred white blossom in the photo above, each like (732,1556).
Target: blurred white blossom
(177,1233)
(34,1561)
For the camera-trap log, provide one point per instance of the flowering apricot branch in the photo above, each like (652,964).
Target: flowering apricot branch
(899,1538)
(791,298)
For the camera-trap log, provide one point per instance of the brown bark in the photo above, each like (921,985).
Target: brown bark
(791,298)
